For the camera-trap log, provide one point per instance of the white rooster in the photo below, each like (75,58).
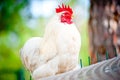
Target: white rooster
(57,52)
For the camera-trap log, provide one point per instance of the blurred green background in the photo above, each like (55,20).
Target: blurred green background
(22,19)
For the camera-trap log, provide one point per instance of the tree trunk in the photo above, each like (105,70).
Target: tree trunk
(104,29)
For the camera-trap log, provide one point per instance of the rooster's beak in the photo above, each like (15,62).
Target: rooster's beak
(72,16)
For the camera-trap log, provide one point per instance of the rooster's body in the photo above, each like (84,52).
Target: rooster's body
(57,51)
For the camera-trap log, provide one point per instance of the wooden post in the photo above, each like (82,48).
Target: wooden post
(105,70)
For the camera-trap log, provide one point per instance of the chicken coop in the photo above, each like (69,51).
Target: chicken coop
(97,22)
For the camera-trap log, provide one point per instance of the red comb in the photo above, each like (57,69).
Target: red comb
(63,8)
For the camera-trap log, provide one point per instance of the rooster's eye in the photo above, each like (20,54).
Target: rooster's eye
(66,14)
(63,14)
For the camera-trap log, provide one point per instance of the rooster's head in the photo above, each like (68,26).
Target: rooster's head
(66,13)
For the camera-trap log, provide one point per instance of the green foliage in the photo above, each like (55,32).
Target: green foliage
(11,25)
(9,13)
(12,28)
(84,44)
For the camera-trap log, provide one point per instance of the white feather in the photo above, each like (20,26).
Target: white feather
(55,53)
